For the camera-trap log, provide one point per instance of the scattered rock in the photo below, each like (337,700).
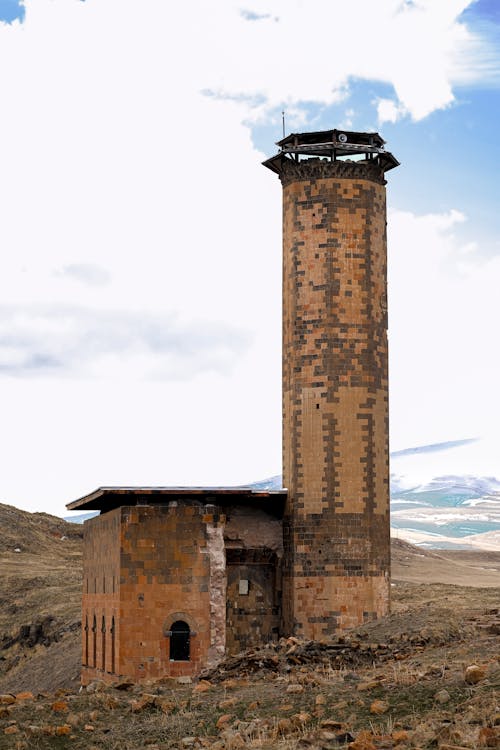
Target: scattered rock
(234,740)
(331,724)
(295,688)
(367,685)
(227,703)
(144,702)
(97,686)
(363,741)
(202,686)
(494,628)
(300,719)
(123,685)
(379,707)
(26,696)
(400,735)
(474,674)
(489,737)
(223,720)
(442,696)
(165,704)
(62,730)
(284,726)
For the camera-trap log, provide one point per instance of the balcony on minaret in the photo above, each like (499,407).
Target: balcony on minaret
(332,145)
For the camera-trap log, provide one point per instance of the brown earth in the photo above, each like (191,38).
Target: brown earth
(401,682)
(40,590)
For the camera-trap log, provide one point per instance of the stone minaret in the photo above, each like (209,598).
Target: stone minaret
(335,382)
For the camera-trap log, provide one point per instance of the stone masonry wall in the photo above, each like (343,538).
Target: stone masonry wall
(101,598)
(335,396)
(166,576)
(254,549)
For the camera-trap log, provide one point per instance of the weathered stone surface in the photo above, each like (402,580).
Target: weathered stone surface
(442,696)
(295,688)
(363,741)
(335,396)
(474,674)
(63,730)
(379,707)
(489,737)
(223,720)
(202,686)
(25,696)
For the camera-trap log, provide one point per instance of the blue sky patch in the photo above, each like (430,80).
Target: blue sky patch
(11,10)
(449,151)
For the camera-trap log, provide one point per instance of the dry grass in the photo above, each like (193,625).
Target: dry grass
(435,631)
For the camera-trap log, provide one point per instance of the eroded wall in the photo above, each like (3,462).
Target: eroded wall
(165,577)
(148,566)
(254,549)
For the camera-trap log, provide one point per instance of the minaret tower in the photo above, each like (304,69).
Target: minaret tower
(335,380)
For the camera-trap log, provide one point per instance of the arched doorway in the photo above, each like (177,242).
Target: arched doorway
(179,641)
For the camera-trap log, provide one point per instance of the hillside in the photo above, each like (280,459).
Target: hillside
(400,682)
(40,588)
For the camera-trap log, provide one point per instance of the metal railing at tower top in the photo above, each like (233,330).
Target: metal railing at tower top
(332,144)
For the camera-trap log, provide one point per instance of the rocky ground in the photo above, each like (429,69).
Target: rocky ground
(428,676)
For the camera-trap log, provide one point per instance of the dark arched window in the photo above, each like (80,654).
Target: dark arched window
(86,654)
(179,641)
(103,632)
(94,642)
(113,644)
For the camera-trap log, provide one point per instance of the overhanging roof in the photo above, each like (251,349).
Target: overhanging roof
(108,498)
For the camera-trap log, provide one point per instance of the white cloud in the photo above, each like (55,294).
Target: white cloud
(389,111)
(443,364)
(85,273)
(40,340)
(426,50)
(114,157)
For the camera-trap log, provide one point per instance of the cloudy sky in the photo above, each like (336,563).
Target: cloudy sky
(140,235)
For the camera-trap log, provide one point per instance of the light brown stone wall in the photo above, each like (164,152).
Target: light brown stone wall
(335,396)
(101,597)
(165,576)
(147,566)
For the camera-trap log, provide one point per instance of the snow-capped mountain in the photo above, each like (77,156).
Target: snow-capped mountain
(442,495)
